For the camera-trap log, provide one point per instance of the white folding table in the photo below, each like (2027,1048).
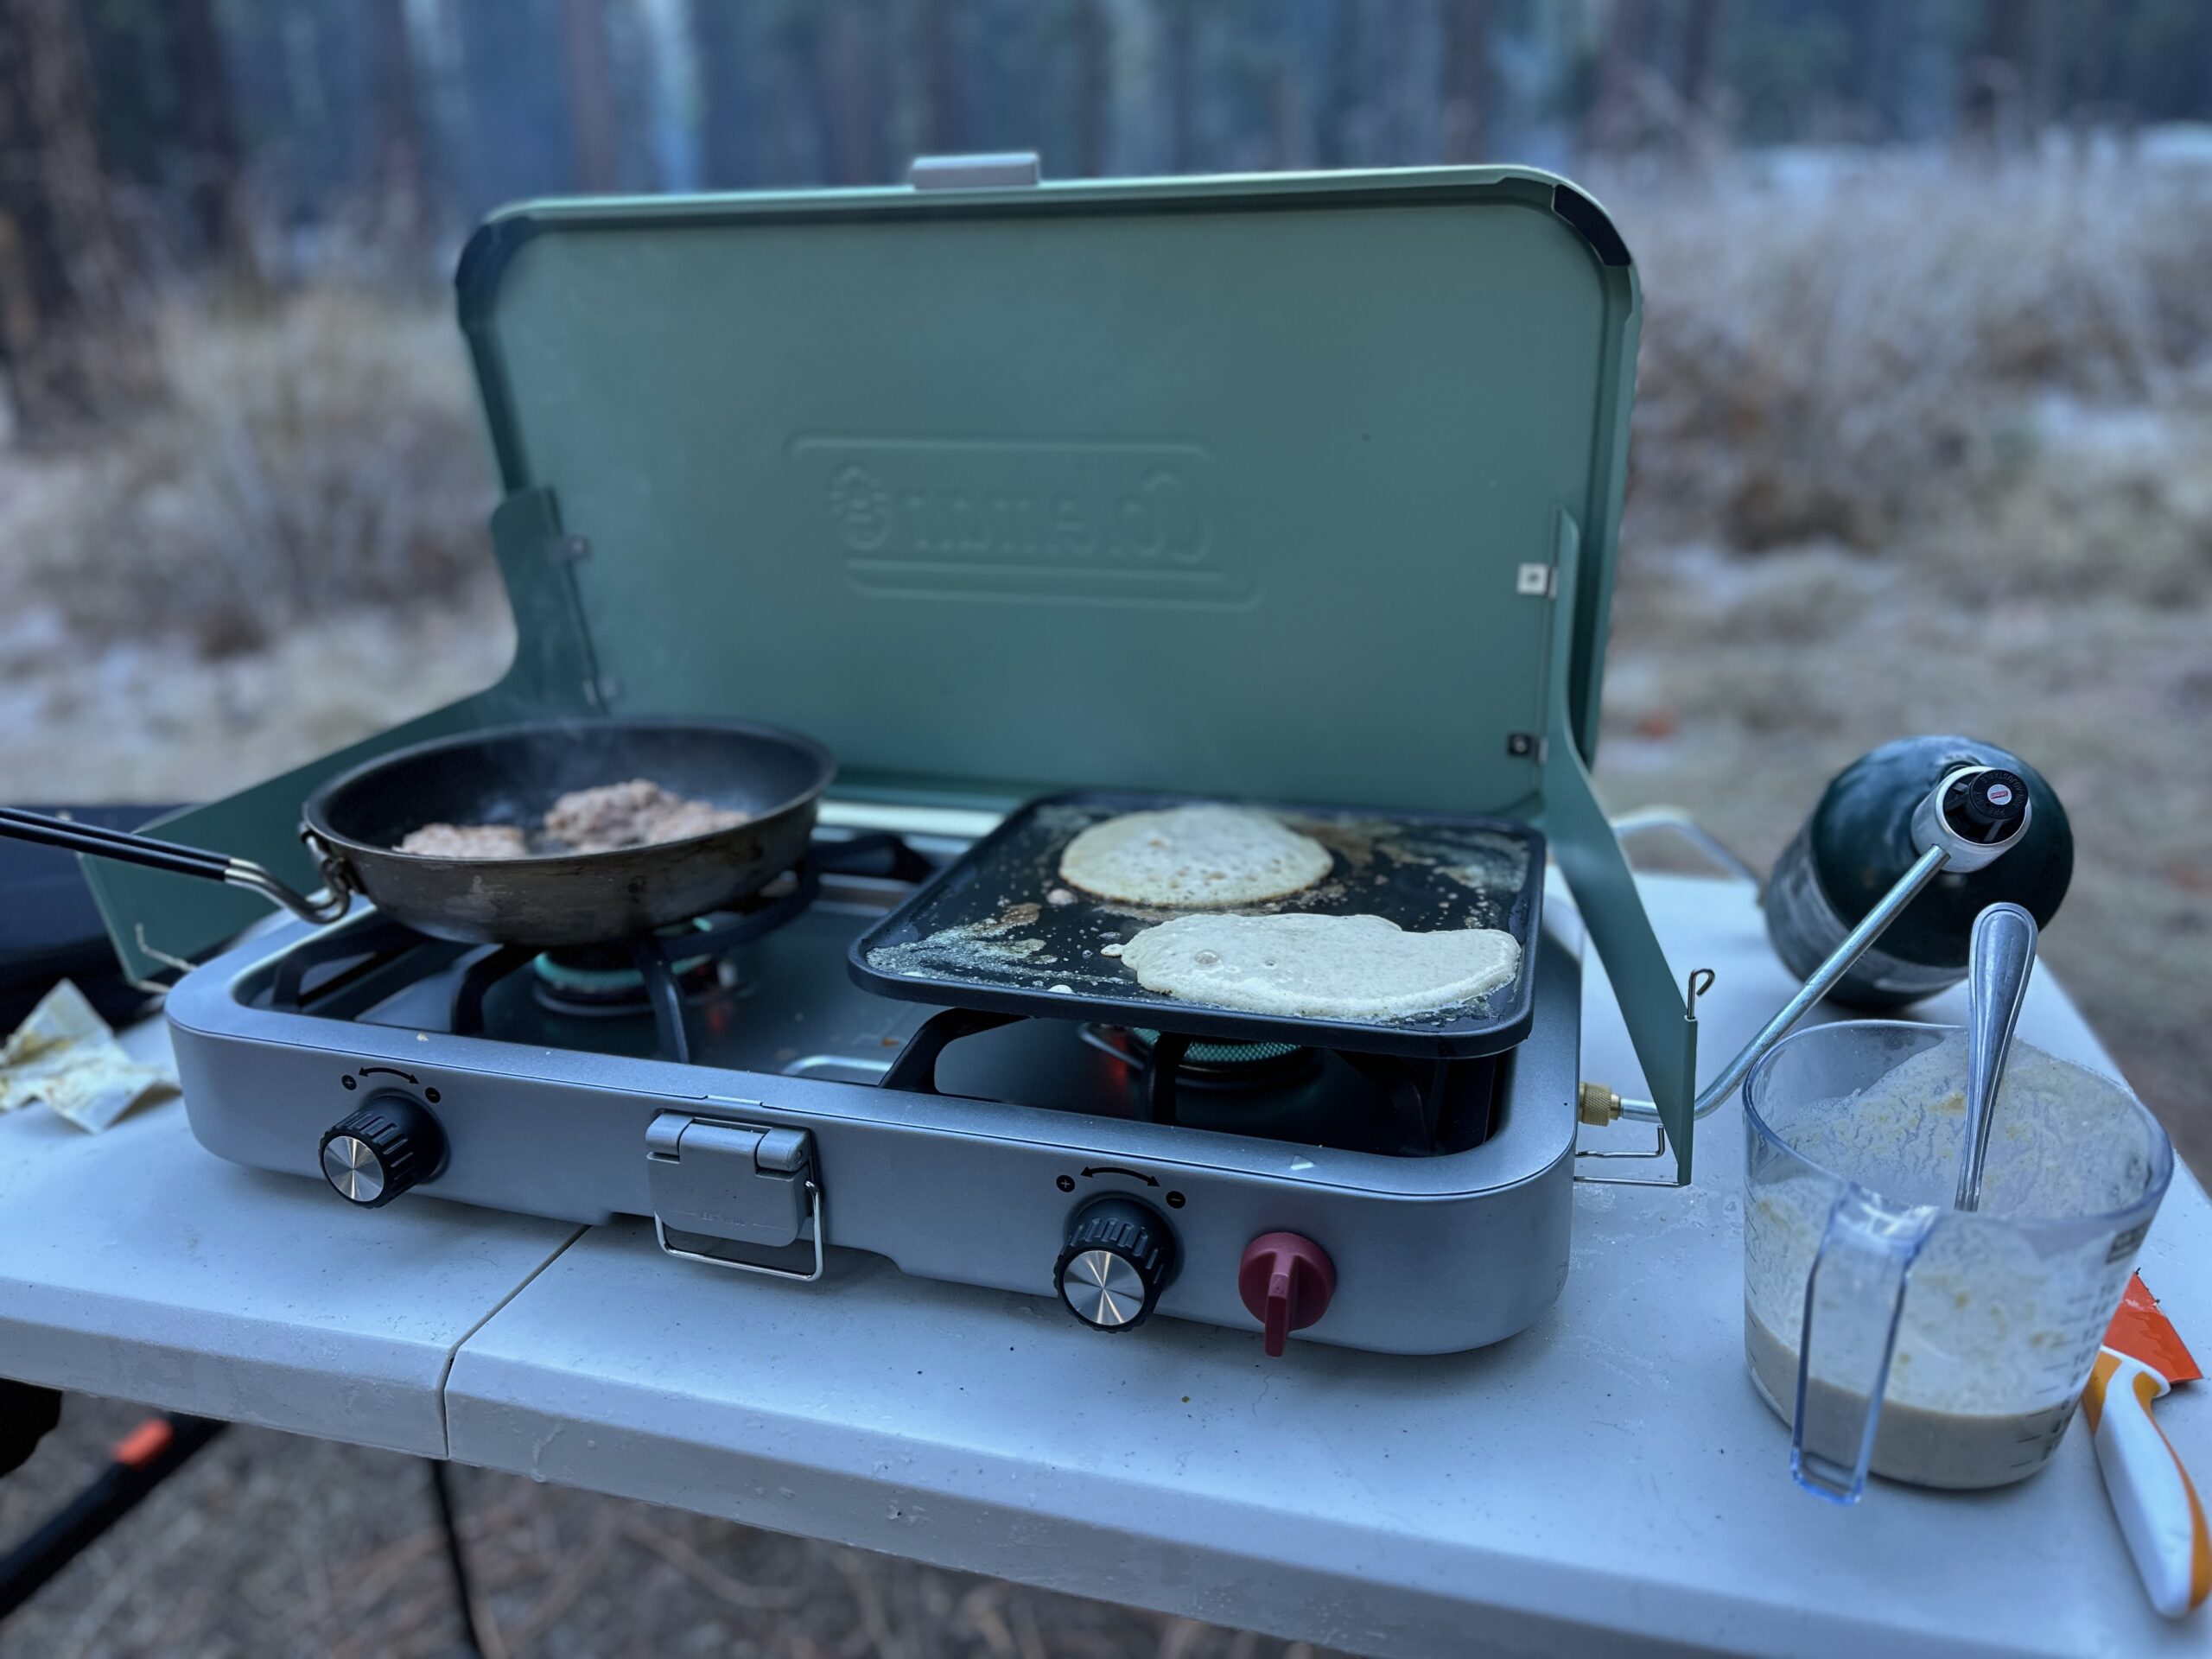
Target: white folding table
(1605,1483)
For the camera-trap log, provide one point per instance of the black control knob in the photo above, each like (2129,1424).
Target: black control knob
(376,1155)
(1987,806)
(1119,1257)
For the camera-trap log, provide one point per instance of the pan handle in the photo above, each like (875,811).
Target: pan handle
(96,842)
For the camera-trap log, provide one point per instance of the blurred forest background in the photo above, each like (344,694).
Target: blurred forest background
(1923,441)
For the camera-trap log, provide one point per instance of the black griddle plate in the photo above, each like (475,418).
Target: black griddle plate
(984,933)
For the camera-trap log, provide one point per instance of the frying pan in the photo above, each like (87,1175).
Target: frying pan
(354,822)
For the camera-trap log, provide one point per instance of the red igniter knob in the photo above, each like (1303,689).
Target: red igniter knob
(1286,1281)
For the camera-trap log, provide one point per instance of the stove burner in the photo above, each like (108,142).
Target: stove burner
(1209,1065)
(602,979)
(1400,1107)
(662,972)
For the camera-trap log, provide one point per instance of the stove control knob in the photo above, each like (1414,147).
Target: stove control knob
(376,1155)
(1119,1257)
(1285,1280)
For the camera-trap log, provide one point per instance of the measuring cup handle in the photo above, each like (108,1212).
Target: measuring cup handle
(1852,1299)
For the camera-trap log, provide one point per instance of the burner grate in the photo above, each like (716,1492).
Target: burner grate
(656,973)
(1365,1102)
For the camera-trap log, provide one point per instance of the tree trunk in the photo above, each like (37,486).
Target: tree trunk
(1699,34)
(1613,118)
(1336,139)
(1181,51)
(1092,106)
(63,321)
(214,189)
(851,104)
(1466,79)
(941,126)
(725,34)
(1137,129)
(1872,66)
(1289,146)
(591,96)
(1990,79)
(2197,83)
(404,196)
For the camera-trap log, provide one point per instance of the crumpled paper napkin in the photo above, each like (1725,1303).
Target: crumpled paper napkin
(65,1055)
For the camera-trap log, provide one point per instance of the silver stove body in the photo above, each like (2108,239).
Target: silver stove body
(776,1142)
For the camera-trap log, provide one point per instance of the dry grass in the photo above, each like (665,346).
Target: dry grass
(321,454)
(155,719)
(1836,353)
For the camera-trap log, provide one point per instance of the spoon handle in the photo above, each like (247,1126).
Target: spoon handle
(1999,960)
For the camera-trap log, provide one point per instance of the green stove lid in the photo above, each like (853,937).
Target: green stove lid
(1245,486)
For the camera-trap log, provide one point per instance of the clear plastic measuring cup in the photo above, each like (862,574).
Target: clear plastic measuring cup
(1892,1331)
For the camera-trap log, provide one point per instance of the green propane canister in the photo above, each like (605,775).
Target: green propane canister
(1860,840)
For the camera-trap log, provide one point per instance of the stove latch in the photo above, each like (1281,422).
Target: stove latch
(736,1195)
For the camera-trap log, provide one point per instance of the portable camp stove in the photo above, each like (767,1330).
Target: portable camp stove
(811,1112)
(1299,489)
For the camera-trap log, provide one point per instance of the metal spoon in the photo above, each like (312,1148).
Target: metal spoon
(1999,960)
